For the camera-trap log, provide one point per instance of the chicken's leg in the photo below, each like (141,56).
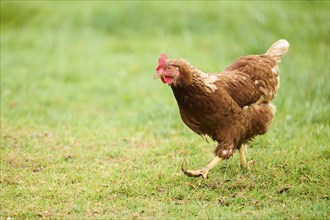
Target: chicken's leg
(242,157)
(203,172)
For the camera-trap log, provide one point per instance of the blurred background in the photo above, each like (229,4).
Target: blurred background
(91,64)
(86,131)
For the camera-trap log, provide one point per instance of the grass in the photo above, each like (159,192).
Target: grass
(87,133)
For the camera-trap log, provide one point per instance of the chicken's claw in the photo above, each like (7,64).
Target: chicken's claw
(194,173)
(248,164)
(251,162)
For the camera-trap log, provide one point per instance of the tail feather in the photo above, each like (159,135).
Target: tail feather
(278,50)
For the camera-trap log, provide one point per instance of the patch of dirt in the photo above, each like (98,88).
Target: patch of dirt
(284,189)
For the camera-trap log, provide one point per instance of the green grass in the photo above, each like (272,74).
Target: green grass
(87,133)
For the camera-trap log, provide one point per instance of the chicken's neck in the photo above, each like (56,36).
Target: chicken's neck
(192,78)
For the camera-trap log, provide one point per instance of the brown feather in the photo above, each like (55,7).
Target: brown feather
(232,106)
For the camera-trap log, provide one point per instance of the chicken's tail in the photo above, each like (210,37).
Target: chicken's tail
(278,50)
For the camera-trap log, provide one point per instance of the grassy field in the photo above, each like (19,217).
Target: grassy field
(87,133)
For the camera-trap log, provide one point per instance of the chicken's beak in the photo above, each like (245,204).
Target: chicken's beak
(158,75)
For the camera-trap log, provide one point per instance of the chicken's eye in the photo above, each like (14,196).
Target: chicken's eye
(168,68)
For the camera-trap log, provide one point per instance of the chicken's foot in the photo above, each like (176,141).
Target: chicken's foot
(203,172)
(244,163)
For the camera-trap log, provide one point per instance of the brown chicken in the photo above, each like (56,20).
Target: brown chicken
(232,106)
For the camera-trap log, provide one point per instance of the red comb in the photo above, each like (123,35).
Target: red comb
(161,62)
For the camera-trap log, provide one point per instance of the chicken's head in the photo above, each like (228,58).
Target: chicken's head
(166,70)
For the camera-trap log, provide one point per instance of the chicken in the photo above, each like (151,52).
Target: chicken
(232,106)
